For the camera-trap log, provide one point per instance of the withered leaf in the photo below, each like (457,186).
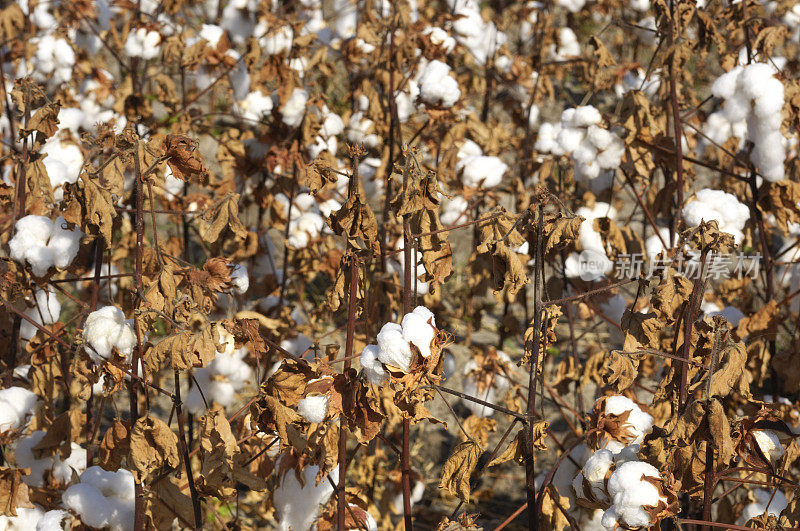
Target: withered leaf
(356,221)
(13,492)
(185,349)
(115,445)
(224,215)
(153,445)
(184,159)
(458,469)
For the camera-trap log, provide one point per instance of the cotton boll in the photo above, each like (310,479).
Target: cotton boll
(294,109)
(297,505)
(584,117)
(26,519)
(483,170)
(240,279)
(453,210)
(277,41)
(106,329)
(418,332)
(594,472)
(640,421)
(255,106)
(313,408)
(730,214)
(143,43)
(440,38)
(17,405)
(64,243)
(24,458)
(725,85)
(630,493)
(764,502)
(437,87)
(393,348)
(47,310)
(93,509)
(570,138)
(51,521)
(372,368)
(769,443)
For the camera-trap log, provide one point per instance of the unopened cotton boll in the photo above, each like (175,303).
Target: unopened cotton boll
(17,405)
(143,43)
(294,109)
(313,408)
(106,329)
(437,87)
(371,366)
(393,348)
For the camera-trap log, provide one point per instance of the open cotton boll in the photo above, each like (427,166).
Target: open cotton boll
(240,279)
(453,210)
(106,329)
(630,493)
(769,444)
(482,171)
(17,405)
(220,381)
(255,106)
(640,421)
(764,502)
(275,42)
(583,116)
(437,87)
(43,243)
(371,367)
(51,520)
(46,311)
(594,473)
(27,519)
(143,43)
(313,408)
(297,505)
(64,243)
(730,214)
(393,348)
(61,469)
(103,498)
(418,332)
(440,38)
(294,109)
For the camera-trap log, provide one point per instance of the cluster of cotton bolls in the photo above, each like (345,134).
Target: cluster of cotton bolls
(107,329)
(475,384)
(612,478)
(331,125)
(481,38)
(592,262)
(53,58)
(60,470)
(479,170)
(360,128)
(306,217)
(393,351)
(143,43)
(222,379)
(596,151)
(707,205)
(46,310)
(43,243)
(17,406)
(753,95)
(103,498)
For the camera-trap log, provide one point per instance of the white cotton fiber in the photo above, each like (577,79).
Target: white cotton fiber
(297,505)
(372,368)
(769,443)
(46,310)
(313,408)
(437,87)
(106,329)
(418,332)
(730,214)
(17,405)
(240,279)
(764,502)
(393,348)
(294,109)
(223,378)
(44,244)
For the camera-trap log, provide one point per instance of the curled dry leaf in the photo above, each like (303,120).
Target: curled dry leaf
(458,469)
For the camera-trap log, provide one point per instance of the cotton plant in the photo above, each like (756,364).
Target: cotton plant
(722,207)
(753,95)
(596,151)
(42,243)
(102,498)
(222,379)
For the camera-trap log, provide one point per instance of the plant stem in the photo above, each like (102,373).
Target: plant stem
(198,511)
